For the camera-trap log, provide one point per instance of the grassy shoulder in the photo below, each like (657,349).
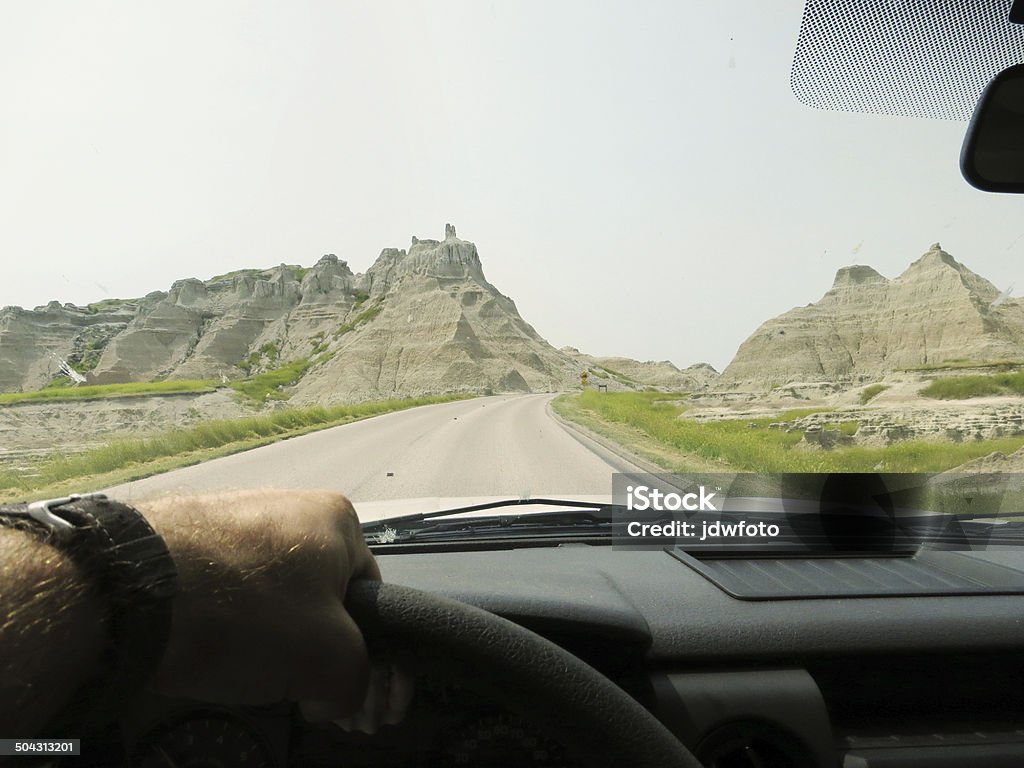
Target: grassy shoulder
(627,434)
(104,391)
(648,425)
(131,459)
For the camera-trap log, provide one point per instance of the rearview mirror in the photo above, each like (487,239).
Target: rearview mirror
(992,157)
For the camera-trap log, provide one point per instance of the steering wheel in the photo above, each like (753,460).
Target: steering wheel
(536,679)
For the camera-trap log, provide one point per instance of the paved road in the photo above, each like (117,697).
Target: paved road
(494,446)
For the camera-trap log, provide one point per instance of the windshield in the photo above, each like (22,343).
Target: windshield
(440,255)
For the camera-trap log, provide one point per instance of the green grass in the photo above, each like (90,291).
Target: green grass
(89,357)
(980,385)
(363,317)
(871,392)
(60,381)
(102,391)
(791,415)
(848,428)
(269,385)
(749,445)
(123,460)
(268,352)
(318,342)
(958,363)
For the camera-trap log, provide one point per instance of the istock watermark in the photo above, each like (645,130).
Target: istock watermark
(702,530)
(655,511)
(643,497)
(816,513)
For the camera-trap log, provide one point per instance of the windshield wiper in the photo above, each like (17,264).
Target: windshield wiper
(582,518)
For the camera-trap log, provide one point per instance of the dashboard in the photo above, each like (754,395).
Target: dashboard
(860,682)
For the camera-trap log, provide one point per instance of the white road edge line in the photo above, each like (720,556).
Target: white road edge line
(613,454)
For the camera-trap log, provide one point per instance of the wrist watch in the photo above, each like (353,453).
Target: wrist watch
(132,570)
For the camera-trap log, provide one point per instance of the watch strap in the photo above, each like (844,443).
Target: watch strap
(132,570)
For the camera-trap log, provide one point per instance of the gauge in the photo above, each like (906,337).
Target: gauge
(203,740)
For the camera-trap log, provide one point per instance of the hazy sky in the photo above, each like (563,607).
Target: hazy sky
(637,176)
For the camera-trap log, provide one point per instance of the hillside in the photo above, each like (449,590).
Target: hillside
(937,312)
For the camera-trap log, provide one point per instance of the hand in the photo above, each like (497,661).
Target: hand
(259,617)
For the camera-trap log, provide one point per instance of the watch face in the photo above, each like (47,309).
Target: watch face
(203,740)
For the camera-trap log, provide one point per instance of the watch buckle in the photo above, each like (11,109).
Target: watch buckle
(41,511)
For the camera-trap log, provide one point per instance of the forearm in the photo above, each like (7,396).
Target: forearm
(53,621)
(259,616)
(251,564)
(52,631)
(260,574)
(212,582)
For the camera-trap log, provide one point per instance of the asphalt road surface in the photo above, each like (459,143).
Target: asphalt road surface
(504,446)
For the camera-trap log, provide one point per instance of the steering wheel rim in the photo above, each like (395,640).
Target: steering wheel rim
(526,673)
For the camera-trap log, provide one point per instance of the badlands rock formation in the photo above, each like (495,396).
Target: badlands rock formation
(866,325)
(440,327)
(954,422)
(422,320)
(31,339)
(629,373)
